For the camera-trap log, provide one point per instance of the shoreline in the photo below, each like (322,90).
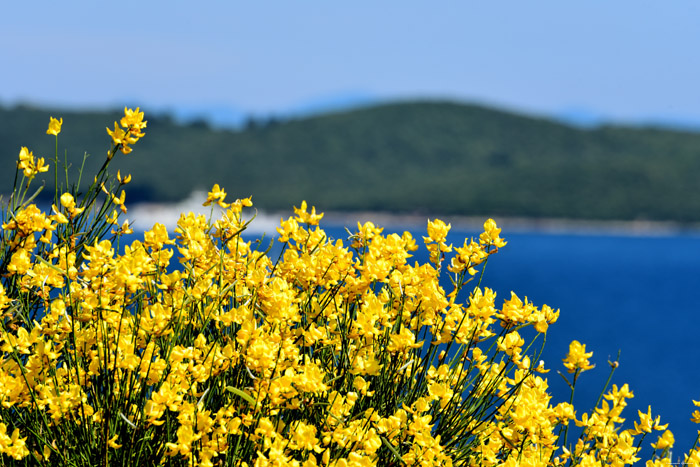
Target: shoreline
(145,215)
(553,226)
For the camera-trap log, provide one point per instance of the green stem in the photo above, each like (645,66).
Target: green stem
(613,367)
(55,173)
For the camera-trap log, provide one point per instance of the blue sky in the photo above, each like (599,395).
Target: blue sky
(626,60)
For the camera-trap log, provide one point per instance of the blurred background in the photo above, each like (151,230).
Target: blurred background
(583,111)
(574,124)
(630,61)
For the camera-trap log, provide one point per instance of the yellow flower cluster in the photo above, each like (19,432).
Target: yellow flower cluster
(132,124)
(202,349)
(577,358)
(30,166)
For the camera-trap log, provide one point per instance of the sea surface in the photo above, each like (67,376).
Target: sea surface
(636,294)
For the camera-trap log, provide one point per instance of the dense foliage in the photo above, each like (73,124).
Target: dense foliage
(201,349)
(427,157)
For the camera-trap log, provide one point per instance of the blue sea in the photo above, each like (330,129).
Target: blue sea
(639,295)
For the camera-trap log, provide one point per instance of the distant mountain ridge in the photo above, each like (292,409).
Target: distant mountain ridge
(426,157)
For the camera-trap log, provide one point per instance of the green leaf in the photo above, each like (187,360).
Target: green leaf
(241,394)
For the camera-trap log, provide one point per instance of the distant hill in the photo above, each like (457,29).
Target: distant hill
(413,157)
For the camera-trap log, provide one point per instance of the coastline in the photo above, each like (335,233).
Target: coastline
(145,215)
(552,226)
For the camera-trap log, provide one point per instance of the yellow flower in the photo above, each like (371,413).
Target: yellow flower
(5,301)
(112,442)
(29,165)
(437,230)
(361,385)
(695,418)
(118,135)
(216,195)
(13,446)
(491,235)
(54,126)
(125,180)
(577,358)
(40,167)
(133,120)
(305,217)
(133,124)
(468,256)
(20,262)
(511,344)
(564,411)
(68,202)
(666,440)
(540,367)
(303,436)
(647,423)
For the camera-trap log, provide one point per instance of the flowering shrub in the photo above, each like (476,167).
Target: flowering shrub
(200,348)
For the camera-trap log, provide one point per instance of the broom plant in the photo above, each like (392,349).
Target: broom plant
(199,347)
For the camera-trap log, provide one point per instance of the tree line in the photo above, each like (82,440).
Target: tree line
(427,157)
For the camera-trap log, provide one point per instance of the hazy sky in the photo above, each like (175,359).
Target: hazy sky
(625,59)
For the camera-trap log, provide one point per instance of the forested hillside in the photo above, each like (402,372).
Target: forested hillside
(418,157)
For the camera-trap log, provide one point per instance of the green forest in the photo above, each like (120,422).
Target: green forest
(435,158)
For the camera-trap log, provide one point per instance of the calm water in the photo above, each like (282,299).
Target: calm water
(635,294)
